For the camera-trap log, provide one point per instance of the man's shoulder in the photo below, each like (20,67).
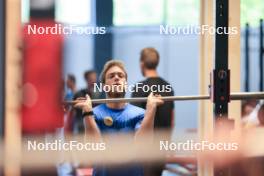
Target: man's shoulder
(144,82)
(99,111)
(99,108)
(130,110)
(140,82)
(137,90)
(135,109)
(129,107)
(163,81)
(155,80)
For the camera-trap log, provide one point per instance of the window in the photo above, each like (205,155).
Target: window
(25,11)
(155,12)
(67,11)
(251,12)
(73,11)
(138,12)
(183,12)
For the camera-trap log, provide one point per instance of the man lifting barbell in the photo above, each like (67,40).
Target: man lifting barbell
(118,116)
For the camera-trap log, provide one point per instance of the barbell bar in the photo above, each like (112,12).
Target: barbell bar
(233,96)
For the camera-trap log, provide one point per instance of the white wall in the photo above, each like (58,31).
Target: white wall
(178,64)
(78,56)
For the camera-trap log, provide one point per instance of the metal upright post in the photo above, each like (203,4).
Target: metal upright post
(220,77)
(261,56)
(221,74)
(247,70)
(2,67)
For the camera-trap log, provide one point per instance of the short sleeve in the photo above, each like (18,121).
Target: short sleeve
(98,116)
(139,121)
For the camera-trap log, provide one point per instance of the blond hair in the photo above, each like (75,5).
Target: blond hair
(109,65)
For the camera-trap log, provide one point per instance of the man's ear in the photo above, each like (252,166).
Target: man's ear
(142,68)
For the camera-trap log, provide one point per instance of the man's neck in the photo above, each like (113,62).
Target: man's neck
(151,73)
(116,105)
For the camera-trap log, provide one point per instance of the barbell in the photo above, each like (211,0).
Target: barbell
(233,96)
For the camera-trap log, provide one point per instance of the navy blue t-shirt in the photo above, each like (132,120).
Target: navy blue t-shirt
(127,119)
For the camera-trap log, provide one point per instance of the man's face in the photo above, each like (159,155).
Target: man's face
(91,79)
(69,83)
(115,79)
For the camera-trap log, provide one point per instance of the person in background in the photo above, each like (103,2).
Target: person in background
(73,121)
(164,117)
(248,106)
(90,78)
(261,115)
(70,87)
(249,113)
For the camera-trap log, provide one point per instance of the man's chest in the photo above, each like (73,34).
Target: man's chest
(115,122)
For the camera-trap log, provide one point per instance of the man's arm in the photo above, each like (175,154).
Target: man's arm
(172,111)
(147,125)
(172,119)
(91,128)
